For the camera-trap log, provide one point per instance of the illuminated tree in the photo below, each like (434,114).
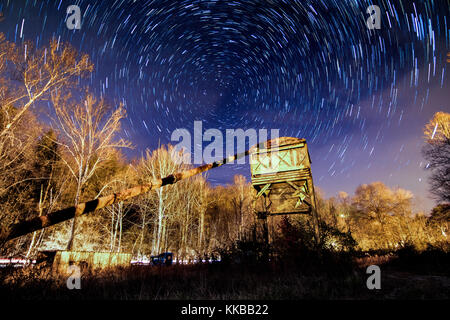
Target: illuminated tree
(87,138)
(376,202)
(38,72)
(157,164)
(27,76)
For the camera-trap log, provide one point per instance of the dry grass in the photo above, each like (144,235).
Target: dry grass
(231,281)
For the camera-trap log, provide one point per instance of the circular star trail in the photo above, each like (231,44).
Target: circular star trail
(311,68)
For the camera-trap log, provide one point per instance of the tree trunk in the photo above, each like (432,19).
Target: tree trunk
(72,229)
(201,229)
(160,216)
(142,236)
(120,226)
(111,237)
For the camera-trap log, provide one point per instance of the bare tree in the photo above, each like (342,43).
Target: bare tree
(27,75)
(201,201)
(344,209)
(185,217)
(154,165)
(241,200)
(88,133)
(34,73)
(52,188)
(117,212)
(437,152)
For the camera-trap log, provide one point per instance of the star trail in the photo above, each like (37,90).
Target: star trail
(311,68)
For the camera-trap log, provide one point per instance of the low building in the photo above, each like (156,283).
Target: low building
(87,260)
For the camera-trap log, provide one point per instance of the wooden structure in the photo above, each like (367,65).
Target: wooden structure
(88,260)
(281,176)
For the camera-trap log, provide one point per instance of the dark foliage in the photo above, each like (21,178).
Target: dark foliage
(438,156)
(429,261)
(441,213)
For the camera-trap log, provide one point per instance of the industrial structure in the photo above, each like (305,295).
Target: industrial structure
(281,176)
(280,173)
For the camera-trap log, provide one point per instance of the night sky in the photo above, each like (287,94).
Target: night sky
(310,68)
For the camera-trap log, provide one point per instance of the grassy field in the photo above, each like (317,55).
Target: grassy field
(404,275)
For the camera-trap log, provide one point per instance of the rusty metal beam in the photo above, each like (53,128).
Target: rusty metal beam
(44,221)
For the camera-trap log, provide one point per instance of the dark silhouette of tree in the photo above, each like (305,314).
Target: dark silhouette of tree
(437,153)
(441,213)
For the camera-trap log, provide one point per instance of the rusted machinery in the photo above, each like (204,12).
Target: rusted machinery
(281,174)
